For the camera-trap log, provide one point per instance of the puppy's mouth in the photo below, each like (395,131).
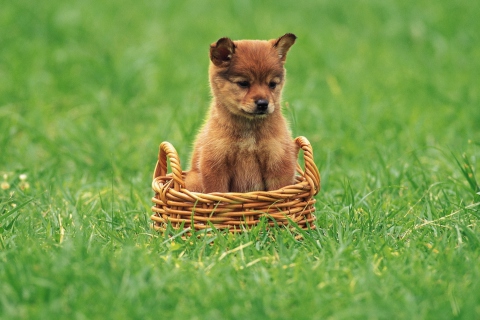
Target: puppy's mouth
(254,114)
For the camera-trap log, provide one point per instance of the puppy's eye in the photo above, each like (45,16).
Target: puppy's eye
(272,85)
(243,84)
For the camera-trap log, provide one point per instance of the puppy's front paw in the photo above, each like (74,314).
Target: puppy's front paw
(193,181)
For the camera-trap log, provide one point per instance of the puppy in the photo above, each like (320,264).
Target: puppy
(245,144)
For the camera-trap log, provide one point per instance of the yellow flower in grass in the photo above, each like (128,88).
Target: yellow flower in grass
(24,185)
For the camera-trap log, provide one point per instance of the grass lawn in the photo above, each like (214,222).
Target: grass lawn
(387,92)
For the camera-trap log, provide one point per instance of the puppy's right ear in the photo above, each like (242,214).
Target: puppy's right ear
(221,52)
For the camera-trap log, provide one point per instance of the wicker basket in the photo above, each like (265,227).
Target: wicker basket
(233,211)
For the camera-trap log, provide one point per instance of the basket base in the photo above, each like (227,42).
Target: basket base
(161,224)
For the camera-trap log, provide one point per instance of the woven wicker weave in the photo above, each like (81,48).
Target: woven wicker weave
(233,211)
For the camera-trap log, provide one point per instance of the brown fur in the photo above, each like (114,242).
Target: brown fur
(245,144)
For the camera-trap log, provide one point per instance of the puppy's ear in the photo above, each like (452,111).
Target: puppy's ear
(221,52)
(284,43)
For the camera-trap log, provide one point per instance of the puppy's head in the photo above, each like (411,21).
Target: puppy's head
(247,76)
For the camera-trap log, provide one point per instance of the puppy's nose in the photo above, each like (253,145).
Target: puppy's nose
(262,105)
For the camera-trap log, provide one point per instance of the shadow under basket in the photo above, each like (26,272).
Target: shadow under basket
(195,211)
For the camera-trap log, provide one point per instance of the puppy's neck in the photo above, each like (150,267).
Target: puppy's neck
(240,126)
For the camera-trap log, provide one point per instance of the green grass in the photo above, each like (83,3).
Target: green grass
(388,93)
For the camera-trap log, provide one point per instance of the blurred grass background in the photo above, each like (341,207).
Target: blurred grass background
(386,91)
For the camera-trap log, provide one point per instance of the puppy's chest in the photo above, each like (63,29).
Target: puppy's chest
(250,153)
(248,145)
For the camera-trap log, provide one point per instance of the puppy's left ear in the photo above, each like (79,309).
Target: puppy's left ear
(284,43)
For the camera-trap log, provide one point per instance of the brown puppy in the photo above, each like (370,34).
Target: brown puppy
(245,144)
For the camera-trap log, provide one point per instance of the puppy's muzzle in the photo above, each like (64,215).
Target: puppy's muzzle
(262,106)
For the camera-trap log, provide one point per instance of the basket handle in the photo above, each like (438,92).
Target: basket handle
(167,150)
(311,174)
